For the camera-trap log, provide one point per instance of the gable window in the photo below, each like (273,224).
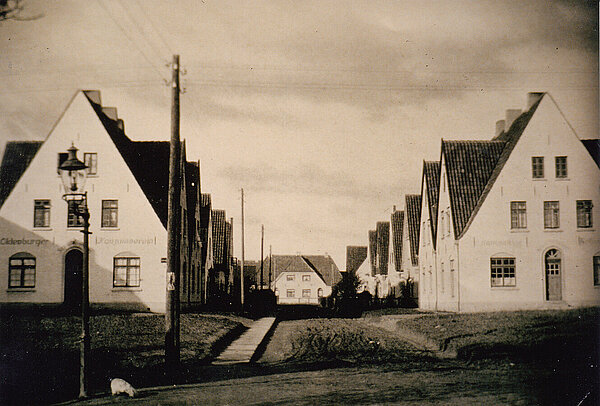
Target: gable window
(537,167)
(90,159)
(73,217)
(560,166)
(21,270)
(41,213)
(305,278)
(518,215)
(503,272)
(291,293)
(126,271)
(584,213)
(596,270)
(110,213)
(551,215)
(289,277)
(305,292)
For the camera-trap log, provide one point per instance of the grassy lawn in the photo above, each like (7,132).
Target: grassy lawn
(39,355)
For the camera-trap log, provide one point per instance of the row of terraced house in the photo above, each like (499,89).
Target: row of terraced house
(41,246)
(506,223)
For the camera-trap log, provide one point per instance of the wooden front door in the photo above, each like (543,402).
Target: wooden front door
(552,263)
(73,279)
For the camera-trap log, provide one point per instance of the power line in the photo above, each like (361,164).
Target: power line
(155,28)
(129,37)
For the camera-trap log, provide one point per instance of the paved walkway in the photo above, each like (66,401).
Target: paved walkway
(242,349)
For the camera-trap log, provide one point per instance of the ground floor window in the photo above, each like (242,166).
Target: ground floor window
(21,270)
(305,292)
(503,272)
(291,293)
(126,271)
(596,270)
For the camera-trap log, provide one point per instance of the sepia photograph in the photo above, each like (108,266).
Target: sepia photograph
(313,202)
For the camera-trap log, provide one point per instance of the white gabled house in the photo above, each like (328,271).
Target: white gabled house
(517,222)
(40,238)
(410,241)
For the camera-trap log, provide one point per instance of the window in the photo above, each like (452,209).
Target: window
(90,159)
(537,167)
(126,271)
(41,213)
(320,292)
(109,213)
(73,217)
(289,277)
(503,272)
(305,292)
(551,215)
(560,164)
(596,270)
(584,213)
(305,278)
(21,270)
(518,215)
(291,293)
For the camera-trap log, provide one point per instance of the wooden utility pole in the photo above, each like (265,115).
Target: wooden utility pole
(262,256)
(270,265)
(173,234)
(243,258)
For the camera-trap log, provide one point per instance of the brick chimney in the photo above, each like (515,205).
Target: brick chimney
(533,97)
(511,116)
(500,125)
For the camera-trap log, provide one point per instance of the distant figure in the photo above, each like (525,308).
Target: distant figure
(120,386)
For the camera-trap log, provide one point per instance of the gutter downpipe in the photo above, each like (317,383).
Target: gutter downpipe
(457,276)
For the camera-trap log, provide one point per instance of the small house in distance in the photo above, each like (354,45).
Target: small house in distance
(301,279)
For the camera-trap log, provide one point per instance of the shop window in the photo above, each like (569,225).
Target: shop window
(126,271)
(503,272)
(21,270)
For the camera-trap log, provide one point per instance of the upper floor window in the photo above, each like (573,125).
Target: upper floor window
(74,219)
(306,278)
(41,213)
(90,159)
(126,271)
(551,215)
(21,270)
(596,270)
(289,277)
(584,213)
(110,213)
(503,272)
(561,166)
(537,167)
(518,215)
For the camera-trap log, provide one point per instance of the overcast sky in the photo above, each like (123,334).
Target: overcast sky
(322,111)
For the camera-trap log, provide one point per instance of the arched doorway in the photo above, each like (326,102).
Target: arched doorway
(552,266)
(73,278)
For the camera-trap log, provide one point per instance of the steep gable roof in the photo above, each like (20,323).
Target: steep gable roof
(510,139)
(413,214)
(205,209)
(286,263)
(431,173)
(593,147)
(373,251)
(325,266)
(397,229)
(355,256)
(383,247)
(219,234)
(469,165)
(148,161)
(17,157)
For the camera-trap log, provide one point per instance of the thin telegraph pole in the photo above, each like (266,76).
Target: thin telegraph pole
(243,257)
(270,264)
(174,209)
(262,257)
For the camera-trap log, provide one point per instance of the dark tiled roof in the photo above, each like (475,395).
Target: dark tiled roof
(510,139)
(324,266)
(17,157)
(147,160)
(469,165)
(397,224)
(355,256)
(205,208)
(383,247)
(219,235)
(413,214)
(593,147)
(373,251)
(431,172)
